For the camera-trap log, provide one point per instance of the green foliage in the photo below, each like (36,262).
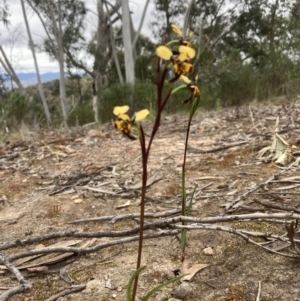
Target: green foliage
(167,12)
(81,115)
(3,87)
(142,95)
(16,108)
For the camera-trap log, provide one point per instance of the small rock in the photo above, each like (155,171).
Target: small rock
(65,276)
(95,286)
(182,291)
(119,289)
(208,251)
(114,296)
(78,201)
(3,199)
(161,296)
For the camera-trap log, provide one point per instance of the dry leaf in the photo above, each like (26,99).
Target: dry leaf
(150,181)
(124,205)
(192,271)
(208,251)
(42,268)
(60,154)
(78,201)
(68,149)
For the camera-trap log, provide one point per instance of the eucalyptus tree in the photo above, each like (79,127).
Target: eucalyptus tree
(4,12)
(127,41)
(4,60)
(166,13)
(106,45)
(10,71)
(63,24)
(32,47)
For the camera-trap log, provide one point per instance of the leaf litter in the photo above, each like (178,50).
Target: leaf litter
(42,179)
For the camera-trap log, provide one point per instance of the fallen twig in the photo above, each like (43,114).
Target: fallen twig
(24,286)
(73,289)
(114,218)
(258,292)
(275,206)
(93,249)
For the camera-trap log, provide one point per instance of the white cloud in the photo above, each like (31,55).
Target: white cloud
(15,40)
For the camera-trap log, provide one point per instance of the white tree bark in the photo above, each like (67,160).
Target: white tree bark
(127,42)
(137,34)
(10,70)
(113,45)
(40,86)
(57,29)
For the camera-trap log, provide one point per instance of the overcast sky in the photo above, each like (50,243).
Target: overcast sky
(15,40)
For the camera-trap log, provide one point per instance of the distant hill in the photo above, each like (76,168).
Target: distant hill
(29,79)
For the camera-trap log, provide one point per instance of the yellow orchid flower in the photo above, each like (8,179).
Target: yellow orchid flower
(195,91)
(180,58)
(189,51)
(141,115)
(184,53)
(180,34)
(164,52)
(120,110)
(124,123)
(177,30)
(180,69)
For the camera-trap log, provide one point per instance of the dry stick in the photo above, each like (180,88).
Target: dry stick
(223,147)
(168,223)
(252,120)
(246,194)
(74,234)
(93,249)
(115,218)
(258,292)
(73,289)
(24,286)
(270,217)
(227,218)
(236,232)
(275,206)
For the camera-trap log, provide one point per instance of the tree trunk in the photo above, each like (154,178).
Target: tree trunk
(10,70)
(127,42)
(60,57)
(40,87)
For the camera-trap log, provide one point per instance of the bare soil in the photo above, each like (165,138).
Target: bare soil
(47,182)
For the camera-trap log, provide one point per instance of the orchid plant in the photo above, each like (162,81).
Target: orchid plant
(177,56)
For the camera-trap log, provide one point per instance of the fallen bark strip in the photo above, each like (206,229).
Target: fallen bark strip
(73,289)
(24,286)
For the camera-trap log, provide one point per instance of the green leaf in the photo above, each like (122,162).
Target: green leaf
(194,107)
(157,288)
(130,283)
